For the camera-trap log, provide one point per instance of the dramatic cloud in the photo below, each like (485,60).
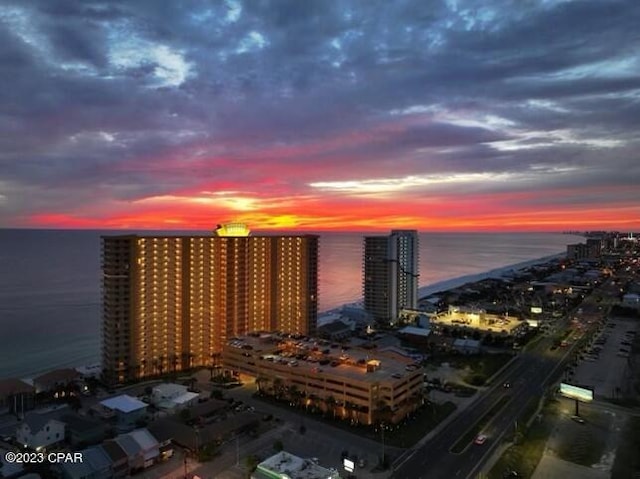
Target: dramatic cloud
(452,114)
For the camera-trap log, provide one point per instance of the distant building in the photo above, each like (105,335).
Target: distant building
(285,465)
(414,334)
(390,280)
(466,346)
(56,379)
(16,396)
(335,331)
(581,251)
(170,302)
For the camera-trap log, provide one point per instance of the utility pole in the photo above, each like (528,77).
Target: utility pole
(237,450)
(383,458)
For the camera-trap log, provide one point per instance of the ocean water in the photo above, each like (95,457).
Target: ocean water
(50,284)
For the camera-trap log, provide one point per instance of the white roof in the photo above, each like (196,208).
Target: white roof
(185,398)
(294,467)
(147,442)
(124,403)
(169,389)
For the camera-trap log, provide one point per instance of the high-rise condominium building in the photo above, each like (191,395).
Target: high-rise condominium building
(171,302)
(390,277)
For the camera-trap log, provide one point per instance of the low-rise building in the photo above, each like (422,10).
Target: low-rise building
(195,437)
(16,396)
(9,469)
(41,429)
(95,464)
(335,331)
(124,410)
(56,379)
(171,397)
(149,446)
(119,459)
(82,431)
(133,450)
(469,319)
(466,346)
(360,385)
(284,465)
(414,334)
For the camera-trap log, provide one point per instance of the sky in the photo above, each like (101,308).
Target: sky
(452,115)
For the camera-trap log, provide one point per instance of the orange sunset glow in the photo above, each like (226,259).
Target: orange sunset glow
(345,118)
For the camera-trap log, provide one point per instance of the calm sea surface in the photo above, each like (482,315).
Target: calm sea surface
(50,284)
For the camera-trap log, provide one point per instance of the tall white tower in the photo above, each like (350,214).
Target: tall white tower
(390,267)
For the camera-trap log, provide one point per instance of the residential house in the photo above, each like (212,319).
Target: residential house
(83,431)
(41,429)
(124,410)
(95,464)
(170,397)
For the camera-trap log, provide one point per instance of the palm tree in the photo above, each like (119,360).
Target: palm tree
(161,365)
(313,402)
(330,405)
(293,393)
(383,413)
(174,362)
(260,382)
(277,388)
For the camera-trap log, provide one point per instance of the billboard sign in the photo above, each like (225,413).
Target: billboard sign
(575,392)
(349,465)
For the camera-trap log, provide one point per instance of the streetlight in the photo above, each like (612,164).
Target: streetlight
(383,462)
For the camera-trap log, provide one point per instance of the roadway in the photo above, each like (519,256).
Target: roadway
(530,375)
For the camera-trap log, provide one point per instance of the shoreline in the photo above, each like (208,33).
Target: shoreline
(500,272)
(455,282)
(423,293)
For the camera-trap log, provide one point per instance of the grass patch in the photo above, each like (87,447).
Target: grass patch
(416,427)
(524,456)
(480,367)
(466,439)
(627,462)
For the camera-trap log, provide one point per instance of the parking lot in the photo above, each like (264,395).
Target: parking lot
(603,364)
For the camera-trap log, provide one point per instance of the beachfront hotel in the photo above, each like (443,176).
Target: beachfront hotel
(171,302)
(390,274)
(355,384)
